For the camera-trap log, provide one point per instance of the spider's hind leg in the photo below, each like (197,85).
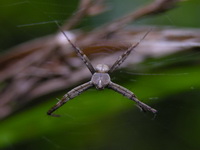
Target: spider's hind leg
(125,92)
(70,95)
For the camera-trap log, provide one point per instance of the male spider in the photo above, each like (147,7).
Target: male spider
(100,79)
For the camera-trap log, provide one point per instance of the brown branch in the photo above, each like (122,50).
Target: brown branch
(86,7)
(158,6)
(48,64)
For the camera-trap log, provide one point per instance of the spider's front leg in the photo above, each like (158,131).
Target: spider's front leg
(130,95)
(122,58)
(79,52)
(70,95)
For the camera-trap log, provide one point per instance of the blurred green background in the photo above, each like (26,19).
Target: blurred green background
(107,120)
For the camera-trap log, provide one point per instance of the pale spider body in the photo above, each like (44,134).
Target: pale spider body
(101,79)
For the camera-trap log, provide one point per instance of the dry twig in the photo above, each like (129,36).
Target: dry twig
(47,64)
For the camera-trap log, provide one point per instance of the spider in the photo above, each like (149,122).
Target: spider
(101,79)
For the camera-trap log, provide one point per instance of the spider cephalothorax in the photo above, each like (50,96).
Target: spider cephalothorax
(101,79)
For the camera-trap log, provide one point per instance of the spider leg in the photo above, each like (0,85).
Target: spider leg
(79,52)
(121,58)
(130,95)
(70,95)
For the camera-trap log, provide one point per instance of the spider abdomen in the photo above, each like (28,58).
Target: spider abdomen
(100,80)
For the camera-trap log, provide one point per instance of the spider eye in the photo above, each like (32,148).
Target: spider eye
(102,68)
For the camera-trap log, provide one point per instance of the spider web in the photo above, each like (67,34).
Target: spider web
(105,120)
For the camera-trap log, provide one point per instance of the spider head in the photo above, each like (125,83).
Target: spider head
(101,68)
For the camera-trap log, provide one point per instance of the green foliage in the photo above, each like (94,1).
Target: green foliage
(105,119)
(87,119)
